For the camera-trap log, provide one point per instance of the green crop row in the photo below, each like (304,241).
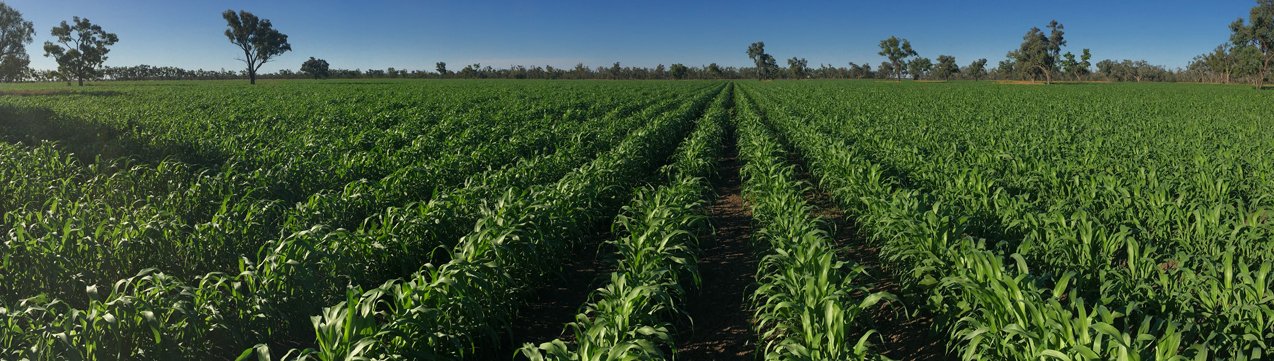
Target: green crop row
(1137,304)
(633,316)
(109,221)
(1143,222)
(155,315)
(808,305)
(457,308)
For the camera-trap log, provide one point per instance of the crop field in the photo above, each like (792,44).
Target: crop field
(643,220)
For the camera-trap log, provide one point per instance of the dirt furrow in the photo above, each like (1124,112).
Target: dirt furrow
(720,309)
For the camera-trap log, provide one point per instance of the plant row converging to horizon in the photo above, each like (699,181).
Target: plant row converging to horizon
(192,223)
(423,220)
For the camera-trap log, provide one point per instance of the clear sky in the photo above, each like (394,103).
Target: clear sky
(415,34)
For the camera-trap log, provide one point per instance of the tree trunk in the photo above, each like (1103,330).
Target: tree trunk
(81,79)
(252,77)
(1265,71)
(1048,75)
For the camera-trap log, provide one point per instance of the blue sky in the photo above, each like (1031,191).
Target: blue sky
(415,34)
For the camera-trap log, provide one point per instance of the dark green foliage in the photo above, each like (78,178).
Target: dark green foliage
(80,49)
(946,67)
(1258,33)
(678,71)
(897,51)
(765,65)
(976,69)
(257,38)
(919,67)
(15,34)
(318,68)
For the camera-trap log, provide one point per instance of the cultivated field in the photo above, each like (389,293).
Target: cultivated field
(599,220)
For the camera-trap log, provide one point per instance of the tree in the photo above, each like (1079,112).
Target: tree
(1085,64)
(258,39)
(946,67)
(1069,64)
(678,71)
(1005,68)
(14,68)
(1056,38)
(1076,68)
(441,68)
(615,70)
(976,69)
(317,68)
(1227,62)
(715,71)
(798,67)
(886,70)
(1110,69)
(859,71)
(1032,60)
(766,66)
(1215,63)
(83,48)
(1039,54)
(1131,70)
(15,34)
(472,71)
(918,67)
(897,51)
(1258,33)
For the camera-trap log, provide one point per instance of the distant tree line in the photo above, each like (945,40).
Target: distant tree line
(944,69)
(320,69)
(80,49)
(616,71)
(1247,57)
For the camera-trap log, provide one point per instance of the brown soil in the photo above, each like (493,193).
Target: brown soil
(903,337)
(720,309)
(545,316)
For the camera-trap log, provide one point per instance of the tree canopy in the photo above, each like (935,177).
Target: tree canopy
(897,51)
(318,68)
(766,66)
(678,71)
(946,67)
(919,67)
(80,49)
(976,69)
(1257,32)
(798,67)
(257,38)
(1076,68)
(1038,55)
(15,34)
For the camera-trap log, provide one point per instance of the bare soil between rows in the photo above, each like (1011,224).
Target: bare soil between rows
(720,310)
(545,316)
(906,331)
